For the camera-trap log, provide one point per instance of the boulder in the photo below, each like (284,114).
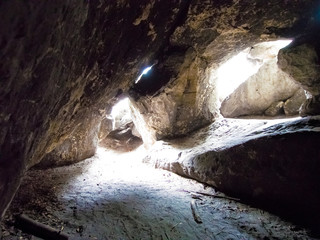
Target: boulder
(105,127)
(121,139)
(275,165)
(292,105)
(301,61)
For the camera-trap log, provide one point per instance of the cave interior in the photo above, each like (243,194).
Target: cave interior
(181,119)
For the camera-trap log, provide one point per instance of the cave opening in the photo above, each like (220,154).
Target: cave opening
(251,85)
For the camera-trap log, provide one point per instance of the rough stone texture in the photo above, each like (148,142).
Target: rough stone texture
(63,60)
(212,32)
(254,96)
(105,128)
(275,109)
(122,140)
(301,62)
(81,144)
(292,105)
(118,131)
(274,165)
(179,108)
(310,107)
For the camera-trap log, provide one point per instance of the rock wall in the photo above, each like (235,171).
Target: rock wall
(301,61)
(179,107)
(63,60)
(79,145)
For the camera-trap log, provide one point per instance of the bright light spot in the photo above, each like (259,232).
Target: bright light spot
(281,43)
(120,107)
(120,113)
(239,68)
(234,72)
(144,72)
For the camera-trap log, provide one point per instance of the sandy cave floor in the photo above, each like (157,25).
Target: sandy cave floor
(116,196)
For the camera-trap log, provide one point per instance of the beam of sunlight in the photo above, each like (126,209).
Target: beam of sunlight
(234,72)
(144,72)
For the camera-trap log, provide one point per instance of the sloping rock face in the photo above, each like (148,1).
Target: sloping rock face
(275,165)
(62,61)
(270,84)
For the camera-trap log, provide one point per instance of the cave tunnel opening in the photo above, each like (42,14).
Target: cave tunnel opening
(251,85)
(118,131)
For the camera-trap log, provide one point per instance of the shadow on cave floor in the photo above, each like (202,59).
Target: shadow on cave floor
(116,196)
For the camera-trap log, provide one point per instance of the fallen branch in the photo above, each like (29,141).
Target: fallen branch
(195,213)
(35,228)
(213,195)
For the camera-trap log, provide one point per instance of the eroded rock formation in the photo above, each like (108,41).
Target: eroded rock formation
(65,62)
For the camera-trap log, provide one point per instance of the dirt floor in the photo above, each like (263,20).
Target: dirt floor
(115,196)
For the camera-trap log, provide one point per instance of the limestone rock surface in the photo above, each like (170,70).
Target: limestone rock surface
(310,107)
(271,163)
(177,109)
(105,127)
(270,84)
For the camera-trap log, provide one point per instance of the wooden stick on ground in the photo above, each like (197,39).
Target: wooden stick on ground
(213,195)
(35,228)
(195,213)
